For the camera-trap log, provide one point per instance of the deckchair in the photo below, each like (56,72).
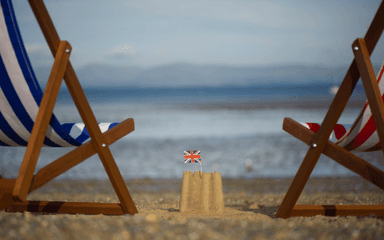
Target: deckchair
(26,119)
(365,133)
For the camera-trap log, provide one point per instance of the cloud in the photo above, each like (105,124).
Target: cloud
(124,49)
(123,53)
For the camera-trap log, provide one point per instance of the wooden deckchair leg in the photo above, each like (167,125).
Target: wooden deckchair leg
(6,200)
(334,112)
(85,111)
(6,187)
(99,142)
(318,142)
(371,87)
(43,118)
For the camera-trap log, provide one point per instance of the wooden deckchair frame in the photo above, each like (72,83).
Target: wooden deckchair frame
(318,142)
(13,192)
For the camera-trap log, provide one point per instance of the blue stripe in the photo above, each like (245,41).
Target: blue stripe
(18,47)
(83,137)
(15,103)
(29,75)
(85,131)
(67,127)
(4,126)
(3,143)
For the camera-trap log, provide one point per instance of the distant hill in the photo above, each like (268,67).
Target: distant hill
(184,75)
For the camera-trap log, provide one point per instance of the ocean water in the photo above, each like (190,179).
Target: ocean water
(169,121)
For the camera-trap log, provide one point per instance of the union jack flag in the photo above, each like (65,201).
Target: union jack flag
(192,156)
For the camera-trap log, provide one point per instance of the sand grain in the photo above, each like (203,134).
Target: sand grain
(250,206)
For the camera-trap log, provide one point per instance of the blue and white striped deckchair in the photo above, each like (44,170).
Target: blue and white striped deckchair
(26,119)
(366,134)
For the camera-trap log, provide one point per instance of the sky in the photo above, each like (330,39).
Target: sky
(150,33)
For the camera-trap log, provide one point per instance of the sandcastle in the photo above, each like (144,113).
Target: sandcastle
(202,193)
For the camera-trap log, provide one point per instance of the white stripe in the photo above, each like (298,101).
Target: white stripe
(77,130)
(54,137)
(370,142)
(21,87)
(11,118)
(104,126)
(7,140)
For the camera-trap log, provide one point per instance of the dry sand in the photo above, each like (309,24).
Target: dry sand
(250,206)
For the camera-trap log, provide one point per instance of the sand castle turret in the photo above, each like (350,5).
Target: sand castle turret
(202,193)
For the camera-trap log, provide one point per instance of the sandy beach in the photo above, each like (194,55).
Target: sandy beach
(250,206)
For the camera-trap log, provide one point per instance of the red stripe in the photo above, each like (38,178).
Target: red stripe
(314,126)
(339,131)
(364,134)
(370,126)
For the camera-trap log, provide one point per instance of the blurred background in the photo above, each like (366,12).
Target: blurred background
(215,76)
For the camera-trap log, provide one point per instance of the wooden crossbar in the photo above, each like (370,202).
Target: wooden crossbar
(338,154)
(78,155)
(14,191)
(68,207)
(337,210)
(319,141)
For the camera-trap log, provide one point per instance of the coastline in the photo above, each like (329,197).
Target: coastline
(257,105)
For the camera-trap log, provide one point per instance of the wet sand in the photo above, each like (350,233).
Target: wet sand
(250,207)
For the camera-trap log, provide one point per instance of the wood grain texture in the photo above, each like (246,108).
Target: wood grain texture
(7,185)
(338,154)
(337,210)
(6,200)
(98,141)
(68,207)
(40,126)
(333,114)
(78,155)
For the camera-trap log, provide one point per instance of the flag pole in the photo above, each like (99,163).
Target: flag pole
(201,168)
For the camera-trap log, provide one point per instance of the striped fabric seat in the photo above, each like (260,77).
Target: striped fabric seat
(20,93)
(361,136)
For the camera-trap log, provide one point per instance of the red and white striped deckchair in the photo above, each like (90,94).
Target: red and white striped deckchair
(26,119)
(361,136)
(365,134)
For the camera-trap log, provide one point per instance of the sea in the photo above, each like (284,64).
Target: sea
(238,130)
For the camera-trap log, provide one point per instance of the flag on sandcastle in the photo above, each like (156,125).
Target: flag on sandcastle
(193,156)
